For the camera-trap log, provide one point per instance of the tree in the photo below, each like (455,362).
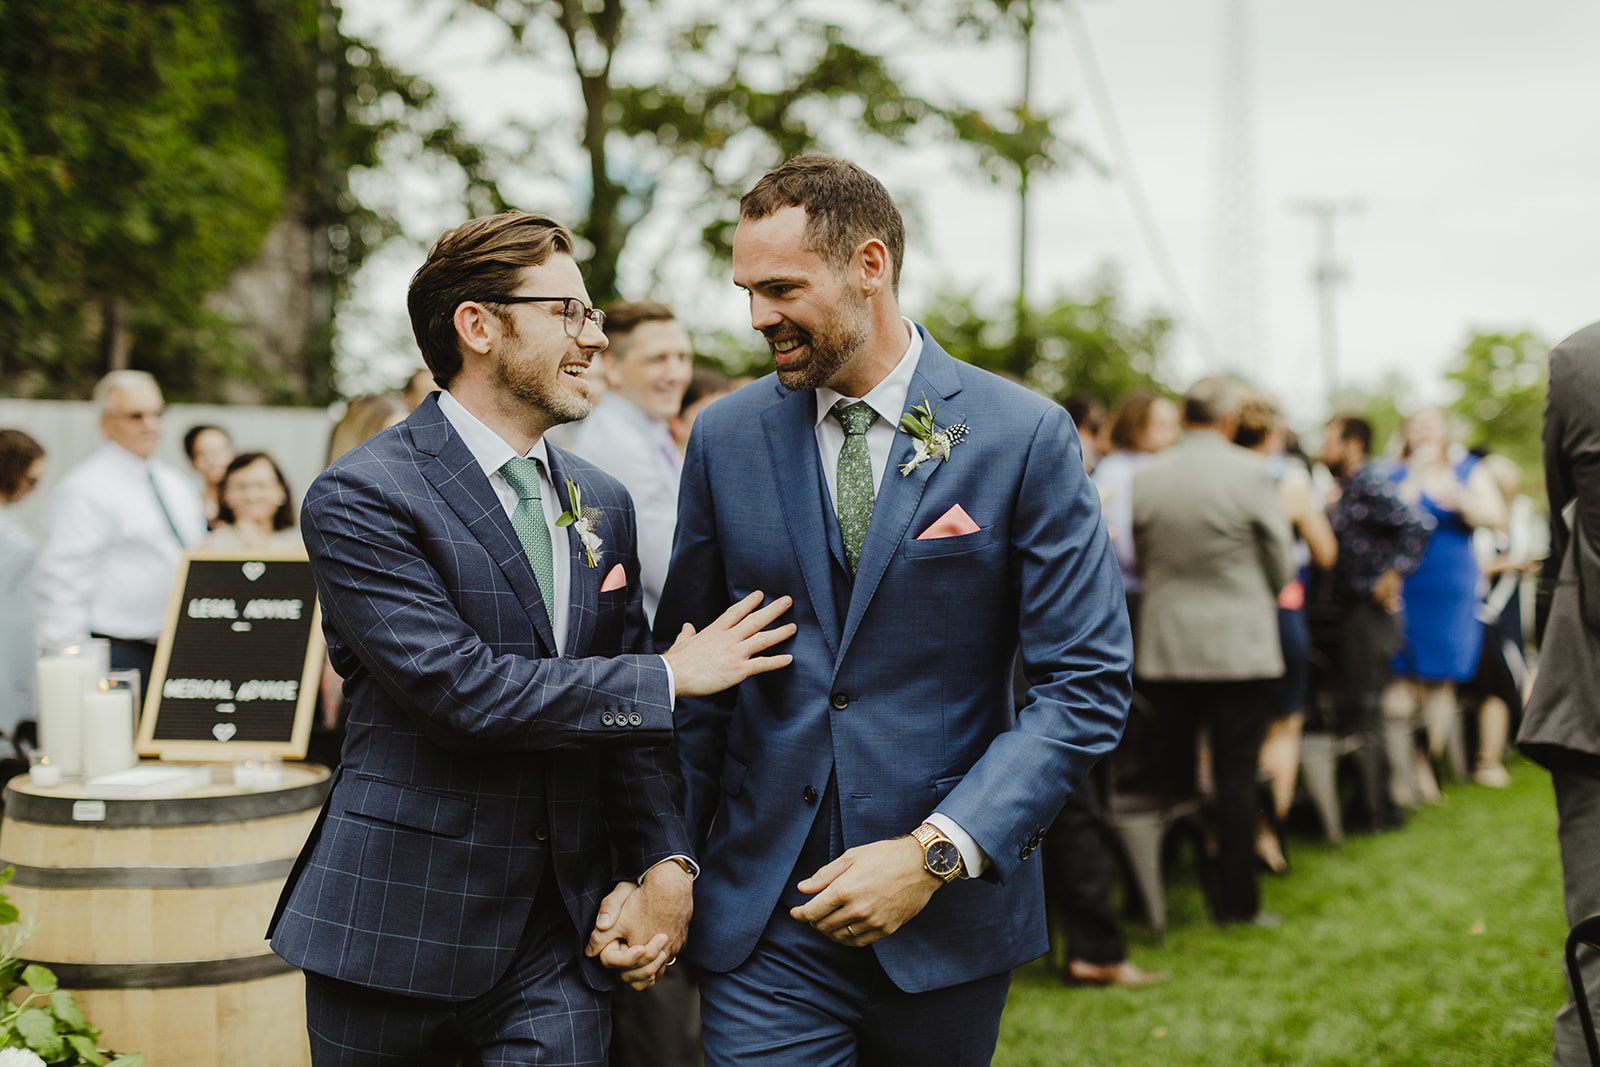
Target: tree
(744,87)
(1501,381)
(1084,344)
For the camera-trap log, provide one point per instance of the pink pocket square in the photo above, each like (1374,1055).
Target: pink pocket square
(615,580)
(952,523)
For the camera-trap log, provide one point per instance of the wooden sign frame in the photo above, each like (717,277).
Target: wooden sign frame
(208,749)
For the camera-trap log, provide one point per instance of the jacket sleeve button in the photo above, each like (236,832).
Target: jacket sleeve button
(635,719)
(607,719)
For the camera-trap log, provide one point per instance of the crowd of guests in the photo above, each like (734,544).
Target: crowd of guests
(1260,578)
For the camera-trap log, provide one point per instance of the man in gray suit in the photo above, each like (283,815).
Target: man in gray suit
(1561,727)
(1213,547)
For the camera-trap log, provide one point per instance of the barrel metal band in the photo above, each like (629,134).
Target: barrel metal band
(166,975)
(223,874)
(168,811)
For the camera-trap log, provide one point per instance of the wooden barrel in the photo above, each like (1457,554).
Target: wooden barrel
(154,912)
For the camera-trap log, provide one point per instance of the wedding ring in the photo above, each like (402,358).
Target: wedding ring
(672,961)
(849,929)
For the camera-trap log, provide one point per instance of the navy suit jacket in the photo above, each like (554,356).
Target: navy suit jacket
(476,761)
(901,681)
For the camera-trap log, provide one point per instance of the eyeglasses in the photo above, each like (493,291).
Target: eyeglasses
(135,416)
(573,310)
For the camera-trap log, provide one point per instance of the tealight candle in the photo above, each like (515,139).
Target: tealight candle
(44,773)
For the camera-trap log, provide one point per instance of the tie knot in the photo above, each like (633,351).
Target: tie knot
(523,476)
(855,418)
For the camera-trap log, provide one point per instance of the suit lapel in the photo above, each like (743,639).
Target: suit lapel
(453,471)
(898,494)
(790,427)
(583,581)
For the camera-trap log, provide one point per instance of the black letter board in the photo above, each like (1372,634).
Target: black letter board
(239,661)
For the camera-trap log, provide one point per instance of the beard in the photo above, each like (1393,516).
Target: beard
(537,381)
(831,345)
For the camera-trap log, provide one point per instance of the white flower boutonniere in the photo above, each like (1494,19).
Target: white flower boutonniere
(932,443)
(584,519)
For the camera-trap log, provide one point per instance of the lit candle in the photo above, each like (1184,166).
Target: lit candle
(107,731)
(44,773)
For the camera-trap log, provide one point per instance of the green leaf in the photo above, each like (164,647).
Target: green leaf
(66,1009)
(38,1029)
(7,874)
(86,1050)
(135,1059)
(8,912)
(567,519)
(40,979)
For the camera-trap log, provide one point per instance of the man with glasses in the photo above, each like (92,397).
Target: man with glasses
(507,760)
(114,529)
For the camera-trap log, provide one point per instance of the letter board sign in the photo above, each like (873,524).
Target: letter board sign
(239,660)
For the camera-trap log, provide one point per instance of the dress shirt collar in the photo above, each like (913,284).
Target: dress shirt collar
(487,447)
(117,454)
(888,397)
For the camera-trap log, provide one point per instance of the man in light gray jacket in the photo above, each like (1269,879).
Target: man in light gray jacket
(1213,547)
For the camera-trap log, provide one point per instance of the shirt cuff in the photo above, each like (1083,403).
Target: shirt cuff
(974,860)
(690,867)
(672,686)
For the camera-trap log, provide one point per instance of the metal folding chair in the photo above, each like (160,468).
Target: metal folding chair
(1586,932)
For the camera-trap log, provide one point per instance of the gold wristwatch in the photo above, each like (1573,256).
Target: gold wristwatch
(940,857)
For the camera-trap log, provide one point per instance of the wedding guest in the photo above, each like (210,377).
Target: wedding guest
(365,417)
(255,513)
(1261,429)
(418,386)
(1142,424)
(1089,416)
(707,385)
(209,450)
(21,466)
(1442,634)
(115,527)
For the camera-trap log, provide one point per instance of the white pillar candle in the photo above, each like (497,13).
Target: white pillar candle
(61,684)
(107,732)
(44,773)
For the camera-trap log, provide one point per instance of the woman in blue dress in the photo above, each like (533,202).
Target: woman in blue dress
(1442,633)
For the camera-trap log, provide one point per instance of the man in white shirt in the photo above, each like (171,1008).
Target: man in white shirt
(114,529)
(647,370)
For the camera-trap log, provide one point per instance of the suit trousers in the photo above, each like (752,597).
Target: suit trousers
(1077,879)
(801,998)
(1578,830)
(541,1012)
(1368,637)
(1238,713)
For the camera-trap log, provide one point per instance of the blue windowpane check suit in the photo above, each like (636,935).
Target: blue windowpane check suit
(901,683)
(477,763)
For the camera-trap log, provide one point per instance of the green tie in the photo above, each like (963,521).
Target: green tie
(853,483)
(528,520)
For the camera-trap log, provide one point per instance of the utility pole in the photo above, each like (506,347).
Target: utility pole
(1327,275)
(1236,292)
(1022,354)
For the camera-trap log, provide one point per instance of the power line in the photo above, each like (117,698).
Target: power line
(1122,162)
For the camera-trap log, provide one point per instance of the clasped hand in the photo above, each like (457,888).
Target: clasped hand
(642,926)
(869,892)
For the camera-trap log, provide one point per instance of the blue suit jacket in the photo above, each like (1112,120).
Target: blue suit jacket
(901,681)
(476,762)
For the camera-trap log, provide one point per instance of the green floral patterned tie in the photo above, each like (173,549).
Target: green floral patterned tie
(853,483)
(532,531)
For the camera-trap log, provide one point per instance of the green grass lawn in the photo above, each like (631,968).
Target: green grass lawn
(1436,944)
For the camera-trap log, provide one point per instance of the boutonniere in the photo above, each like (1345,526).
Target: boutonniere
(932,443)
(584,519)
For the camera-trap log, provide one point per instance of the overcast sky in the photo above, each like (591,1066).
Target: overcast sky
(1469,130)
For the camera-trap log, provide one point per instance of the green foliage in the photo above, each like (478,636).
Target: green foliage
(746,87)
(1501,380)
(38,1015)
(1087,344)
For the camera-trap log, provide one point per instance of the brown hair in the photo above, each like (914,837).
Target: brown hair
(625,316)
(1130,417)
(365,417)
(282,519)
(478,259)
(18,452)
(1257,417)
(844,205)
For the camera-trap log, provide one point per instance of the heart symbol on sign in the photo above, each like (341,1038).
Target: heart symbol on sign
(224,731)
(254,569)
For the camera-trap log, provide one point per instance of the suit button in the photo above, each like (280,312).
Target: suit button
(840,701)
(1027,850)
(635,719)
(809,795)
(607,719)
(541,833)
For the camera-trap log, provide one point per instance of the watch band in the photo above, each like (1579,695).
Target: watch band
(926,835)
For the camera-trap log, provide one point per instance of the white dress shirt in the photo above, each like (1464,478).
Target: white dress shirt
(888,398)
(639,452)
(110,555)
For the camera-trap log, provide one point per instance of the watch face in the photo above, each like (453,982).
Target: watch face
(942,858)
